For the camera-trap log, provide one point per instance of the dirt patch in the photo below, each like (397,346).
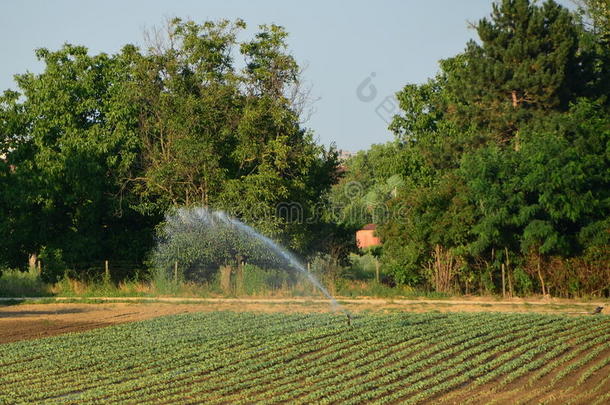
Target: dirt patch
(31,321)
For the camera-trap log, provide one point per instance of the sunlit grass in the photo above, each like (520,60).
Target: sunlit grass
(16,283)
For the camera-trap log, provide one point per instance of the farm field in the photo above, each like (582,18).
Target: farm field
(43,318)
(228,357)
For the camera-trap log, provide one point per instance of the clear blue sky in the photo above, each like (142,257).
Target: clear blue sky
(341,42)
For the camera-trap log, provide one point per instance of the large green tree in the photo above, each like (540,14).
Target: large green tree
(227,138)
(529,61)
(549,199)
(69,140)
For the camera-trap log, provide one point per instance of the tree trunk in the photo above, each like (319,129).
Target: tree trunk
(540,276)
(443,269)
(239,279)
(32,261)
(225,279)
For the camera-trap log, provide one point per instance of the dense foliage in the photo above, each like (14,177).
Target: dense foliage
(97,148)
(501,162)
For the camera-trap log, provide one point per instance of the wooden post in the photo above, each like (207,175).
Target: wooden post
(510,281)
(39,267)
(503,282)
(106,269)
(176,271)
(308,267)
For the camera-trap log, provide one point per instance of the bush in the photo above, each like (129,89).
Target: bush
(53,266)
(362,267)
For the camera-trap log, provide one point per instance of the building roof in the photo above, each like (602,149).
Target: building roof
(369,227)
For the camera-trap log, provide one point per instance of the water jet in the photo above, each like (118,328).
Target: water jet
(211,237)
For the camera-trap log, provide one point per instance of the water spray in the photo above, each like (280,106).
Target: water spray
(202,223)
(286,256)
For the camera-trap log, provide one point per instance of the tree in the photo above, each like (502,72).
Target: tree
(217,137)
(370,179)
(437,215)
(18,231)
(597,16)
(539,201)
(198,242)
(528,62)
(70,141)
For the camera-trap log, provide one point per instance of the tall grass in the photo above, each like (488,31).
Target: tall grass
(69,287)
(16,283)
(161,283)
(251,281)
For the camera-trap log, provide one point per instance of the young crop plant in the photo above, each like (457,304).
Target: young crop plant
(240,358)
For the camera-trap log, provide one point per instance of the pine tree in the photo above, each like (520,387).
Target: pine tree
(527,62)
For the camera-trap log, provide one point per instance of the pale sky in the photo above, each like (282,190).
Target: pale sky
(342,43)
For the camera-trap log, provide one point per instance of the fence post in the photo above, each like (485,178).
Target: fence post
(39,267)
(503,283)
(510,279)
(176,271)
(106,269)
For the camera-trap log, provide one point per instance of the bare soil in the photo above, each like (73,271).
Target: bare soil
(33,320)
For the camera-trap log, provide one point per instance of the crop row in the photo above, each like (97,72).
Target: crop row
(238,358)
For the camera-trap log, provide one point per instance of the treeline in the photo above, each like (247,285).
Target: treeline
(97,148)
(498,180)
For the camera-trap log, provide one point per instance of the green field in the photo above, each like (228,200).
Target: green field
(232,358)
